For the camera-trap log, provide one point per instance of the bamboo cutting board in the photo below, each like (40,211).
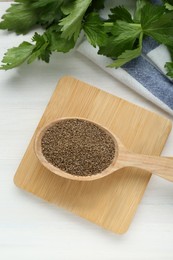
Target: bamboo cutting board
(110,202)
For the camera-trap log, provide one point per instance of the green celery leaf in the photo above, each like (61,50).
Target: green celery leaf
(44,45)
(50,41)
(41,49)
(168,1)
(123,27)
(43,3)
(139,6)
(161,29)
(125,57)
(72,23)
(57,43)
(169,68)
(97,5)
(123,38)
(169,7)
(120,13)
(17,55)
(19,18)
(48,12)
(150,14)
(94,30)
(168,4)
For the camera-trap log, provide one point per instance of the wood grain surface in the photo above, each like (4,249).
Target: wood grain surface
(110,202)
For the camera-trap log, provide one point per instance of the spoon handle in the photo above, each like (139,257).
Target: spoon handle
(161,166)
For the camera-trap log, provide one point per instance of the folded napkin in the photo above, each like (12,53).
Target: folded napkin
(145,75)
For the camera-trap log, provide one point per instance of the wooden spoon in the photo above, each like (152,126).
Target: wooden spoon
(161,166)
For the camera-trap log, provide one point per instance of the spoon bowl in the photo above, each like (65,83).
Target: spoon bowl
(161,166)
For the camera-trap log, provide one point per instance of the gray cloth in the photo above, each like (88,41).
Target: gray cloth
(150,77)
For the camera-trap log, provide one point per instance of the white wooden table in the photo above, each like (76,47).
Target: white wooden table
(31,228)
